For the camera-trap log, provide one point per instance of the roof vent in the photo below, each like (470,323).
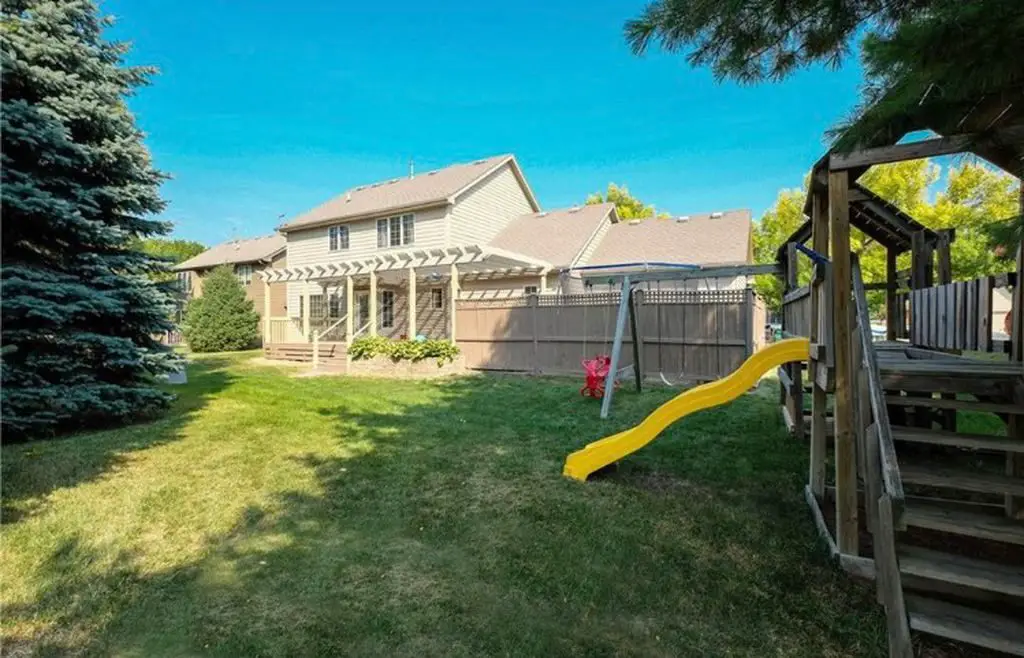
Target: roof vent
(431,173)
(574,209)
(480,161)
(634,222)
(683,218)
(348,196)
(716,215)
(542,214)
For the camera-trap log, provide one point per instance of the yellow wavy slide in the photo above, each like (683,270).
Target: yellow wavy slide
(597,455)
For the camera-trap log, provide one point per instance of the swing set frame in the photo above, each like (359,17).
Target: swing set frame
(627,282)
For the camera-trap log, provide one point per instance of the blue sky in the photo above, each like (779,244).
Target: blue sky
(263,109)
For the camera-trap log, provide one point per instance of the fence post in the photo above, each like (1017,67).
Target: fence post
(534,304)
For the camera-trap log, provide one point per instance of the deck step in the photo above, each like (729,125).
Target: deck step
(963,405)
(971,523)
(959,478)
(955,439)
(956,622)
(950,568)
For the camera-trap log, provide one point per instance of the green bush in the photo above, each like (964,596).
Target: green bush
(403,350)
(222,319)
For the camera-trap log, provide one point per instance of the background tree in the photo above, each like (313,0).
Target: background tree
(626,205)
(223,318)
(974,197)
(79,309)
(170,250)
(957,50)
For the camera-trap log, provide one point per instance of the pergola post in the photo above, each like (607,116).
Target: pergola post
(266,311)
(453,295)
(350,293)
(305,310)
(543,287)
(412,304)
(373,303)
(845,449)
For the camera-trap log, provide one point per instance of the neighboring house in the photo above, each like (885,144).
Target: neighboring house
(247,258)
(468,231)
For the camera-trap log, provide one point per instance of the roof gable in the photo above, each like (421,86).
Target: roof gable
(249,250)
(556,237)
(432,188)
(705,239)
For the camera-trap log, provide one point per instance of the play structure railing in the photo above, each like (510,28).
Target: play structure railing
(957,316)
(879,470)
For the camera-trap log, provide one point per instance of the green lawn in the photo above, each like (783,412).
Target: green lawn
(279,516)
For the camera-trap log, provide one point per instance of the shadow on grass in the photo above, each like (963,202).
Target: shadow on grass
(446,529)
(33,470)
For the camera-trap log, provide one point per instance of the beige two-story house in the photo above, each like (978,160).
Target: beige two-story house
(247,258)
(392,258)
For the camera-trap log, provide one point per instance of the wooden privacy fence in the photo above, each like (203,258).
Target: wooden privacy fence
(954,316)
(683,334)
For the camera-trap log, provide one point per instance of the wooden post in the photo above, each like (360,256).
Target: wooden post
(266,312)
(350,310)
(373,303)
(637,366)
(305,310)
(891,312)
(411,329)
(845,449)
(819,397)
(1015,424)
(945,262)
(796,391)
(453,295)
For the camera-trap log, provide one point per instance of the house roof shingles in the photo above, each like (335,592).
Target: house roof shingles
(425,189)
(236,251)
(699,240)
(557,236)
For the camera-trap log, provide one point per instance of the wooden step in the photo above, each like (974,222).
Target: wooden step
(964,405)
(963,624)
(955,439)
(989,378)
(959,478)
(972,523)
(950,568)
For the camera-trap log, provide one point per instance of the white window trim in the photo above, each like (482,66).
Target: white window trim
(384,228)
(334,234)
(383,322)
(244,273)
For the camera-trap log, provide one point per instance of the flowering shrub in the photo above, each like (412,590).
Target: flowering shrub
(403,350)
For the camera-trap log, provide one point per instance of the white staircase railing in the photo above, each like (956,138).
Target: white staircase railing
(317,335)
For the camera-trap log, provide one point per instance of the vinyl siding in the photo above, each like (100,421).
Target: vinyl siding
(310,247)
(505,288)
(480,213)
(592,245)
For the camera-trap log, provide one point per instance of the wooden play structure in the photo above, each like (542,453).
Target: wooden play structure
(900,492)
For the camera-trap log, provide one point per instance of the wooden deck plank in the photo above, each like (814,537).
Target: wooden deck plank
(958,521)
(950,568)
(966,625)
(956,439)
(965,480)
(966,405)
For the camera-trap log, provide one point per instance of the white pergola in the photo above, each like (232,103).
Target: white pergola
(471,262)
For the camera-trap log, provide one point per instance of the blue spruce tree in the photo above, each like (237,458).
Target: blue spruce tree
(79,309)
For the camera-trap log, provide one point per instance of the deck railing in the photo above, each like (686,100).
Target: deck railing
(883,485)
(319,335)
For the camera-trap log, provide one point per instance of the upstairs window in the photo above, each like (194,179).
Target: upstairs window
(337,237)
(244,273)
(185,282)
(395,231)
